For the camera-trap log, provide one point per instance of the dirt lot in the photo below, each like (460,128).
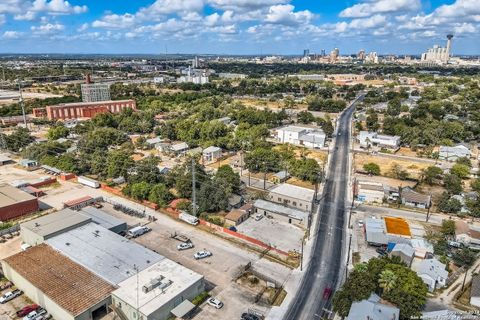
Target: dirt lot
(413,167)
(267,230)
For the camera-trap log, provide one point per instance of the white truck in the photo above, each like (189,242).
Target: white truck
(188,218)
(138,231)
(88,182)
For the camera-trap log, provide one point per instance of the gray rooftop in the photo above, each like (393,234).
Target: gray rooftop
(56,222)
(279,209)
(294,192)
(103,252)
(102,218)
(10,195)
(212,149)
(475,287)
(431,267)
(373,309)
(404,248)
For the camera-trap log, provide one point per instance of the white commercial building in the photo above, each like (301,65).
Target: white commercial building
(154,292)
(368,139)
(292,196)
(301,136)
(280,212)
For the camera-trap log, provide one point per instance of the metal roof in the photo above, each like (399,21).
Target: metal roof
(104,252)
(55,222)
(292,191)
(102,218)
(212,149)
(69,285)
(279,209)
(374,309)
(10,195)
(174,277)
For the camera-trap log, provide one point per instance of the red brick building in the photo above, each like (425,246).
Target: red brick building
(15,202)
(82,109)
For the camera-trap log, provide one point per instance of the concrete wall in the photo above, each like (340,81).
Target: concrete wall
(280,217)
(163,312)
(30,237)
(371,195)
(18,209)
(290,202)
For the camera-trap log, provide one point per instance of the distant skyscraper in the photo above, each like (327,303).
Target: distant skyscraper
(95,92)
(306,52)
(322,53)
(361,54)
(439,54)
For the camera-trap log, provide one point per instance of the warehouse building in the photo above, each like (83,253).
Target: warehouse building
(156,291)
(292,196)
(15,202)
(386,230)
(279,212)
(105,253)
(67,290)
(370,192)
(104,219)
(38,230)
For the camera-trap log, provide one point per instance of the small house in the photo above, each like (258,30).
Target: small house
(211,154)
(453,153)
(411,198)
(373,308)
(29,164)
(432,272)
(235,201)
(236,217)
(280,177)
(179,148)
(368,139)
(405,252)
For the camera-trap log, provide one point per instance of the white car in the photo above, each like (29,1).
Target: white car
(215,303)
(258,217)
(202,254)
(36,315)
(185,246)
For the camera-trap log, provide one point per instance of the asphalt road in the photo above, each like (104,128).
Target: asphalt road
(326,261)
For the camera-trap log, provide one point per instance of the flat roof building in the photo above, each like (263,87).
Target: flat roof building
(15,202)
(104,219)
(66,289)
(38,230)
(105,253)
(280,212)
(157,290)
(292,196)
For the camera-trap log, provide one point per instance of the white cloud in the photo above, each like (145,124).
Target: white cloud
(163,7)
(27,16)
(115,21)
(9,35)
(244,5)
(83,27)
(284,14)
(48,28)
(57,7)
(371,7)
(3,19)
(11,6)
(464,28)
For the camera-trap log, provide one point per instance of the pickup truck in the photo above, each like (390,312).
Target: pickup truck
(10,295)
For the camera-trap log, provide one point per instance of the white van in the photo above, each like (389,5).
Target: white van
(138,231)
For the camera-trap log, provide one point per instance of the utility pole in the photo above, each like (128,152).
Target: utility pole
(428,210)
(301,256)
(348,256)
(194,194)
(465,278)
(22,104)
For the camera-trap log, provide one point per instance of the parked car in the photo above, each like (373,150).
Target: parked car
(232,228)
(46,316)
(35,315)
(381,251)
(6,285)
(185,246)
(215,303)
(202,254)
(249,316)
(258,217)
(138,231)
(327,293)
(27,309)
(10,295)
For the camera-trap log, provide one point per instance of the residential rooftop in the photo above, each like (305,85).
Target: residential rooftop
(68,284)
(174,278)
(110,256)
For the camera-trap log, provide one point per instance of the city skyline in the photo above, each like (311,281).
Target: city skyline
(237,26)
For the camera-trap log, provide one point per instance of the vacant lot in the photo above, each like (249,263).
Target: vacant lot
(414,168)
(268,231)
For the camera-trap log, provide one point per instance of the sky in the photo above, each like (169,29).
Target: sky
(237,26)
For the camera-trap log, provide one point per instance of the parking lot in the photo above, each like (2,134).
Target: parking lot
(278,234)
(219,269)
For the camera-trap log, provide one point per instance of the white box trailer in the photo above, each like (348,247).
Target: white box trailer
(88,182)
(188,218)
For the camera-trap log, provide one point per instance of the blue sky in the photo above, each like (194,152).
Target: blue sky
(237,26)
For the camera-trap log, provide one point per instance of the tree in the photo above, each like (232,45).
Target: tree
(263,160)
(372,120)
(18,140)
(452,183)
(448,227)
(118,163)
(57,132)
(387,280)
(465,161)
(305,169)
(372,168)
(225,176)
(394,107)
(159,194)
(464,257)
(212,197)
(432,175)
(460,170)
(398,172)
(140,190)
(305,117)
(448,204)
